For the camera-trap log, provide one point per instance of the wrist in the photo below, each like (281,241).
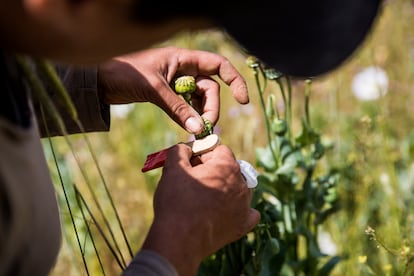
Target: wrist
(174,242)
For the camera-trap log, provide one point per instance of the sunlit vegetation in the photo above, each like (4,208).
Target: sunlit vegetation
(371,141)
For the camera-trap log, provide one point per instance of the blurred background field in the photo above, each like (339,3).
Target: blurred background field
(373,138)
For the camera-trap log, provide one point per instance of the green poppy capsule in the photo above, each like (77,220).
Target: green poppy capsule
(272,74)
(252,62)
(185,85)
(208,129)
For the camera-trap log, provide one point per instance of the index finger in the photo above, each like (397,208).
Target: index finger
(178,155)
(208,64)
(219,153)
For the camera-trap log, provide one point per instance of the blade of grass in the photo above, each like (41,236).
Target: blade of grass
(81,201)
(40,91)
(65,193)
(50,73)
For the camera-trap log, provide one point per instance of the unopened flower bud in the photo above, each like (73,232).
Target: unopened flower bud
(252,62)
(270,106)
(272,74)
(279,126)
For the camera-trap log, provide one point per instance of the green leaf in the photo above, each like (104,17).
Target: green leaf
(211,265)
(273,213)
(249,269)
(284,146)
(226,268)
(265,159)
(246,250)
(308,135)
(271,249)
(318,150)
(289,164)
(257,197)
(266,180)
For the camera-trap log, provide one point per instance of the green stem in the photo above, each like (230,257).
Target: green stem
(289,111)
(65,195)
(81,201)
(54,79)
(264,79)
(307,95)
(263,106)
(88,229)
(94,196)
(287,101)
(108,194)
(41,93)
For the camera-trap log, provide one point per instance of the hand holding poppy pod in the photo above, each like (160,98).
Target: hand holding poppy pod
(201,198)
(185,86)
(205,141)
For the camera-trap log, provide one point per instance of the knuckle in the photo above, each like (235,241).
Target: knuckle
(179,108)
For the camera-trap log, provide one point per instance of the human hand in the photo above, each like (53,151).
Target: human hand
(146,76)
(200,205)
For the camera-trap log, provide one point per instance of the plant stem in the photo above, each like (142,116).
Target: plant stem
(40,91)
(111,201)
(81,201)
(65,195)
(289,88)
(307,95)
(58,86)
(287,101)
(88,229)
(263,106)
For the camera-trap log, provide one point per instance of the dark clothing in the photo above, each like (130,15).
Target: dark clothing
(30,234)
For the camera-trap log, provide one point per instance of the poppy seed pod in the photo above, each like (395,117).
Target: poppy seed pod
(207,130)
(184,85)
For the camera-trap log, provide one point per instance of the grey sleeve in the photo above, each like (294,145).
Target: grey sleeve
(81,85)
(149,263)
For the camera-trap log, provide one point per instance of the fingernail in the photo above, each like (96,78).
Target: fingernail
(193,125)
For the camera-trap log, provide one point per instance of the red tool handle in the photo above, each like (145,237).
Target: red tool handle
(155,160)
(200,146)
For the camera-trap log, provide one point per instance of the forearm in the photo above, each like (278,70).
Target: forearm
(178,245)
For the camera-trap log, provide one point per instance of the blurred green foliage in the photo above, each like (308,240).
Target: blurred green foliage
(373,143)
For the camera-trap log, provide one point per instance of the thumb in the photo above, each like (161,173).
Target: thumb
(253,219)
(181,112)
(178,155)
